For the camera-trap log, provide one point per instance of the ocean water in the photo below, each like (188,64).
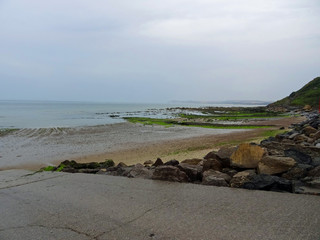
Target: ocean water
(46,114)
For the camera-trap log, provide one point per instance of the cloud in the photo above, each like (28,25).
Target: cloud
(234,22)
(205,49)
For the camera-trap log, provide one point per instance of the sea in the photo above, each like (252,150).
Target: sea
(49,114)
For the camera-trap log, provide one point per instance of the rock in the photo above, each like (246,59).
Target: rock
(295,173)
(241,177)
(215,178)
(287,141)
(315,172)
(70,170)
(121,164)
(193,161)
(193,171)
(313,182)
(309,130)
(224,155)
(247,156)
(211,164)
(149,162)
(158,163)
(229,171)
(139,171)
(172,163)
(300,157)
(275,148)
(116,171)
(73,164)
(226,152)
(170,173)
(302,188)
(300,138)
(293,135)
(211,155)
(107,163)
(307,108)
(269,183)
(88,170)
(316,136)
(274,165)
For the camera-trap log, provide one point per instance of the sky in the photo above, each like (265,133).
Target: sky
(157,51)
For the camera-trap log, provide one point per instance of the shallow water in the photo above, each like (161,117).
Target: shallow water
(48,114)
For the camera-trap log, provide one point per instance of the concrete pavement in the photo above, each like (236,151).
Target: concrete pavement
(96,207)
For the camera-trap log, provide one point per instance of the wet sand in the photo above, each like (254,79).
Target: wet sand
(126,142)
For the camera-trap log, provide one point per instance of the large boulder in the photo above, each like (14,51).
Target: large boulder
(269,183)
(274,164)
(224,155)
(194,172)
(148,162)
(215,178)
(211,155)
(247,156)
(313,182)
(88,170)
(241,178)
(211,164)
(304,188)
(297,155)
(315,172)
(158,163)
(301,138)
(121,164)
(316,136)
(172,163)
(139,171)
(309,130)
(117,171)
(295,173)
(193,161)
(170,173)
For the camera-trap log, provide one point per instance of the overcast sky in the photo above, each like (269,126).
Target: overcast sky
(157,51)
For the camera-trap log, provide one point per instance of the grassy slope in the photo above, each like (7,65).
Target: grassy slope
(308,95)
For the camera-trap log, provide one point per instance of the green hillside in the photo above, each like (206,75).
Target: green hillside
(308,95)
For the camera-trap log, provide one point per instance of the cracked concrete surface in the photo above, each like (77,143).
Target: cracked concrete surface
(95,207)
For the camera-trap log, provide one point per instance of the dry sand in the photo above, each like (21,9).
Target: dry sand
(126,142)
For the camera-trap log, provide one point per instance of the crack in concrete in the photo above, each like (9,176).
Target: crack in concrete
(26,183)
(51,227)
(136,218)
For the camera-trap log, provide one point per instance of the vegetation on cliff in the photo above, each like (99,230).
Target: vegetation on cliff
(307,95)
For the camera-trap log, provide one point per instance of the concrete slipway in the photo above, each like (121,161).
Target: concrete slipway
(81,206)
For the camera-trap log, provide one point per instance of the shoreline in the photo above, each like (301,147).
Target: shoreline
(122,142)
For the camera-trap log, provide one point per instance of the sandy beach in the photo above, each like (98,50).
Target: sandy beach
(126,142)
